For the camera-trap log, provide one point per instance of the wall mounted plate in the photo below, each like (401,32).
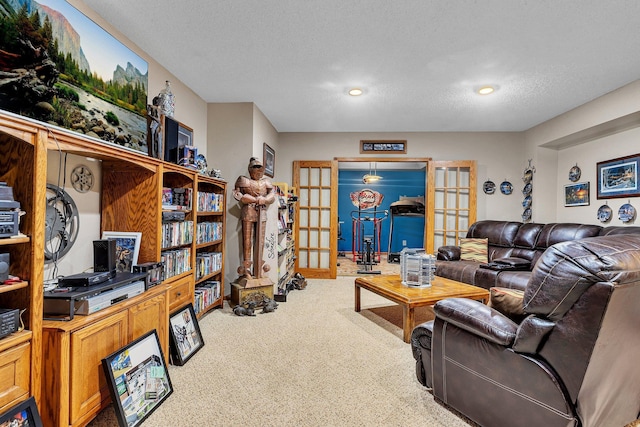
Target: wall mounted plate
(604,213)
(528,175)
(574,173)
(527,189)
(526,215)
(506,187)
(489,187)
(526,203)
(626,213)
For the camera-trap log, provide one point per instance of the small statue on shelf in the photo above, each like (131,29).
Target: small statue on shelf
(255,193)
(166,100)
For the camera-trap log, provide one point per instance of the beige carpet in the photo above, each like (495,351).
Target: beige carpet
(313,362)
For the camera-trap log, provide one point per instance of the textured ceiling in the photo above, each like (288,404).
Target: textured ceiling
(418,61)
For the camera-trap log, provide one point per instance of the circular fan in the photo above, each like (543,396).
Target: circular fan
(61,223)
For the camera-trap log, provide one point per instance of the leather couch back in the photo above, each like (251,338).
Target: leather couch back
(500,235)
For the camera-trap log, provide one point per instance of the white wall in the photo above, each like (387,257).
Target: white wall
(499,155)
(584,136)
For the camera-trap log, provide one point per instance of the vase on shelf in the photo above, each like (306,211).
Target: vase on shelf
(167,100)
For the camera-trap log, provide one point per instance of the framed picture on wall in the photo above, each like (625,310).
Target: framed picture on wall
(576,194)
(618,177)
(269,156)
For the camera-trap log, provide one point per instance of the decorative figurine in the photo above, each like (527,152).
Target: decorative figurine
(166,100)
(255,193)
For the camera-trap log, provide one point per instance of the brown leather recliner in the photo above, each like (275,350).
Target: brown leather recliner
(573,361)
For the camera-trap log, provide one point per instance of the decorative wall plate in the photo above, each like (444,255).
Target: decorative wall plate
(527,189)
(506,187)
(626,212)
(489,187)
(528,175)
(604,213)
(526,215)
(574,173)
(526,203)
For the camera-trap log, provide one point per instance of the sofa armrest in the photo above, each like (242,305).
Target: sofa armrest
(478,319)
(449,253)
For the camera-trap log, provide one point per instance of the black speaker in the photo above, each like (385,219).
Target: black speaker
(104,256)
(4,267)
(170,140)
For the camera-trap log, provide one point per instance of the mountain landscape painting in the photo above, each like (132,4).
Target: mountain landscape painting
(59,67)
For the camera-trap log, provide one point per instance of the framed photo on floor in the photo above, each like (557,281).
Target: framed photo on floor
(138,379)
(23,414)
(185,338)
(127,248)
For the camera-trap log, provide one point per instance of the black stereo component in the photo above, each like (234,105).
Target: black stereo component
(9,321)
(4,267)
(104,256)
(84,279)
(172,216)
(154,270)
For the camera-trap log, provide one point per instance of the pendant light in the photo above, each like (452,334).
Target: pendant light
(370,177)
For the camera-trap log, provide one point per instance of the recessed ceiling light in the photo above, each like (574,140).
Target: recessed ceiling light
(356,91)
(486,90)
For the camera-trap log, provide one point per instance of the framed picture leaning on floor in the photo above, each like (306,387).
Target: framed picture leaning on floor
(185,338)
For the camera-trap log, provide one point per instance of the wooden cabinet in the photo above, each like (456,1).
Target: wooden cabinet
(23,167)
(74,387)
(66,380)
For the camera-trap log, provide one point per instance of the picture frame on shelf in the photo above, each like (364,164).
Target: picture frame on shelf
(127,248)
(618,177)
(138,379)
(185,135)
(576,194)
(185,338)
(269,157)
(23,414)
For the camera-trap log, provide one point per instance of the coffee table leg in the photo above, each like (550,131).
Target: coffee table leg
(357,298)
(407,322)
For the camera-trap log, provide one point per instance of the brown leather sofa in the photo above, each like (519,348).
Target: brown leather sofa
(517,244)
(571,362)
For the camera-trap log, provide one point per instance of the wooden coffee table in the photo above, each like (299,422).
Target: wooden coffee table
(391,288)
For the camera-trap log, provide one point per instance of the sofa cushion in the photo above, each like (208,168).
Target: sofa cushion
(473,249)
(508,302)
(514,262)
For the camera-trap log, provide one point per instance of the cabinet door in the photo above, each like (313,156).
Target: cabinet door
(89,346)
(149,315)
(15,364)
